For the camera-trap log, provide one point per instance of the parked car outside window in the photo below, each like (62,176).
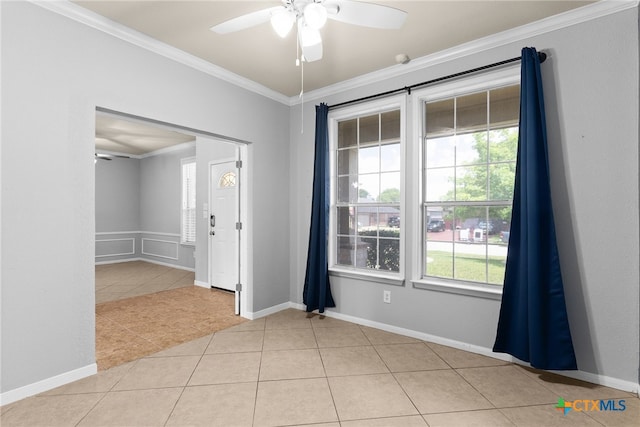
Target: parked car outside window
(493,226)
(435,225)
(393,221)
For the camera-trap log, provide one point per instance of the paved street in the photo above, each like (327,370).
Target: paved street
(443,241)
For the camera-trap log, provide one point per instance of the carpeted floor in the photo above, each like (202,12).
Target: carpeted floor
(130,328)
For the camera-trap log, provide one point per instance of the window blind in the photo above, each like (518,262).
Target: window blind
(188,232)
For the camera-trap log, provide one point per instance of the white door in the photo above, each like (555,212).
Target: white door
(223,216)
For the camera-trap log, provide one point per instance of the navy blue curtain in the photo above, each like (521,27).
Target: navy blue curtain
(317,292)
(533,324)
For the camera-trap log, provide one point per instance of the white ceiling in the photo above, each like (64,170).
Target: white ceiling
(259,55)
(119,135)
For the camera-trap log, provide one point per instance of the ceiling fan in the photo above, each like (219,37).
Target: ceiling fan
(102,156)
(311,15)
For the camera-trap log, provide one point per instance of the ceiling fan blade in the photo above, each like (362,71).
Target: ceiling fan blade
(245,21)
(366,14)
(103,156)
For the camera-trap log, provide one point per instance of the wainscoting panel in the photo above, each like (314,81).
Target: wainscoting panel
(160,248)
(115,247)
(157,247)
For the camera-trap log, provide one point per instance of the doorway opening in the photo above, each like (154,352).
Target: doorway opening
(143,219)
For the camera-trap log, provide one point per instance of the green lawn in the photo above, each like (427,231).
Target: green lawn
(467,267)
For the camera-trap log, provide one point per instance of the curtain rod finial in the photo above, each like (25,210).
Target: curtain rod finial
(542,56)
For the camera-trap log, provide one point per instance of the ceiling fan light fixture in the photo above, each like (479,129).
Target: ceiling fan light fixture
(309,36)
(315,15)
(310,42)
(282,22)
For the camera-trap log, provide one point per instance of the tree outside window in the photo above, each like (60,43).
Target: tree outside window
(367,185)
(469,170)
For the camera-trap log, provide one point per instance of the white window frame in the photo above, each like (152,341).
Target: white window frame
(361,110)
(186,238)
(485,81)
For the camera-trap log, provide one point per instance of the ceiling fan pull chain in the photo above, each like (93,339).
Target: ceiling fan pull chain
(302,97)
(300,63)
(297,50)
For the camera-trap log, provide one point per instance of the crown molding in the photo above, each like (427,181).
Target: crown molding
(562,20)
(165,150)
(99,22)
(170,149)
(524,32)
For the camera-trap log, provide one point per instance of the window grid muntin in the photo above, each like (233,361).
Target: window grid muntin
(227,180)
(356,205)
(487,203)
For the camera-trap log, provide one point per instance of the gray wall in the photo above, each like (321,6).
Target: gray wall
(138,207)
(591,88)
(160,202)
(55,72)
(161,191)
(117,195)
(117,210)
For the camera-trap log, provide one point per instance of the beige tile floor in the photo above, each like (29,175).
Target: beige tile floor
(131,279)
(289,370)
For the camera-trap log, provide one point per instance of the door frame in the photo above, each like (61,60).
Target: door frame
(243,297)
(246,219)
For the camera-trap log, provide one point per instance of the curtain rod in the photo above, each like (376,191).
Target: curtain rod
(541,55)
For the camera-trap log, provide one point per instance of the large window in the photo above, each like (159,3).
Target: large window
(468,171)
(188,210)
(367,188)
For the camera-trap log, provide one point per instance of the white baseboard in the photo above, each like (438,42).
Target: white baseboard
(117,261)
(267,311)
(151,261)
(201,284)
(602,380)
(578,375)
(167,264)
(47,384)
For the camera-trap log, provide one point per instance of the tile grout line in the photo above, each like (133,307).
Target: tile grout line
(255,395)
(324,369)
(173,408)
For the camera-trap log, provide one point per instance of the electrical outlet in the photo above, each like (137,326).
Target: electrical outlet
(386,297)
